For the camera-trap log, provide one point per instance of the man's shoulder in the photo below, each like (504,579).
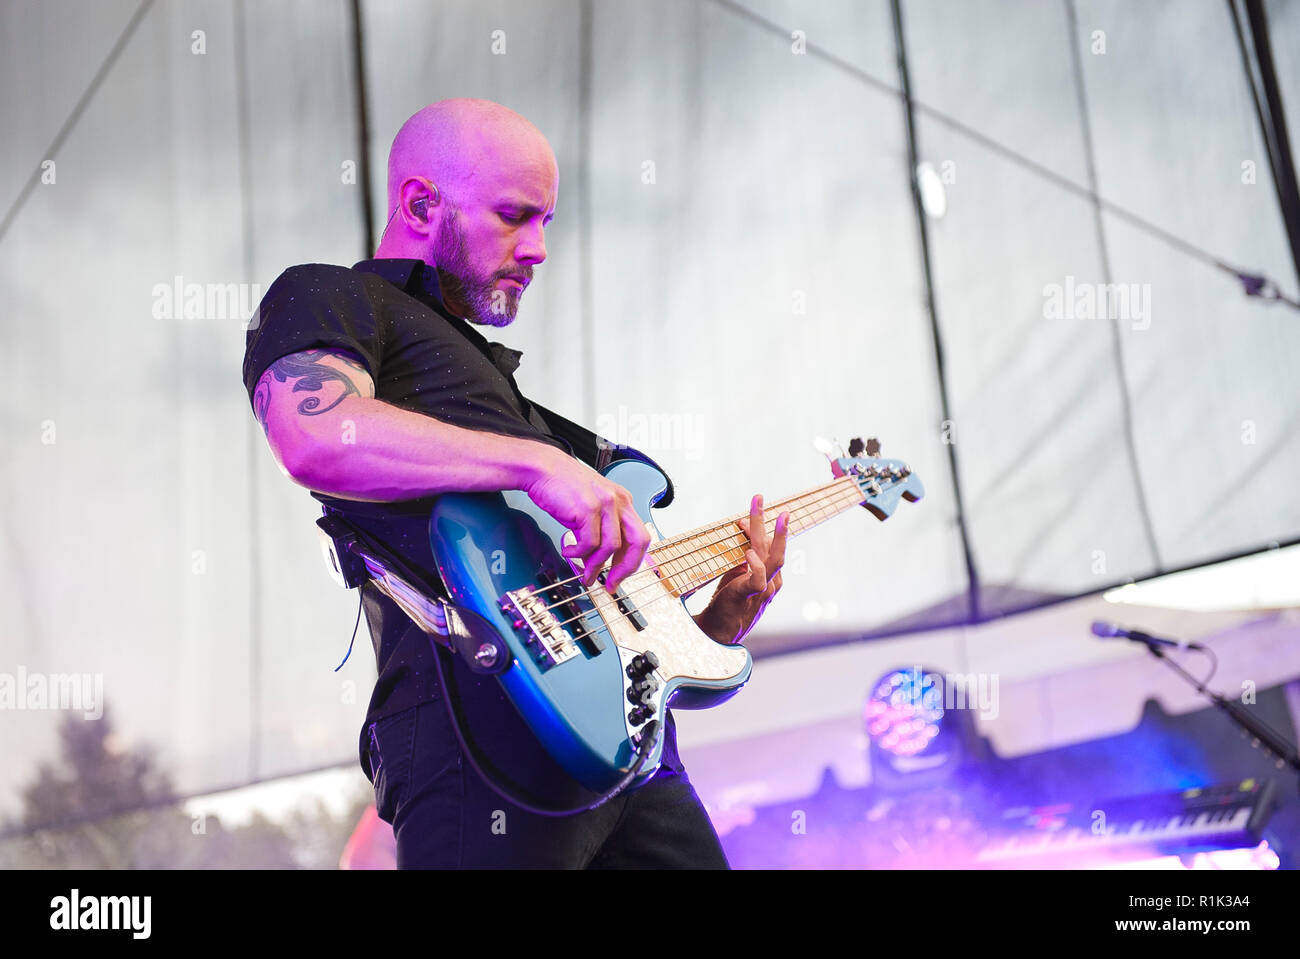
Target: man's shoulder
(308,305)
(316,277)
(317,288)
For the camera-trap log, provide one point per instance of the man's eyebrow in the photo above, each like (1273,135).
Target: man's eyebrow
(522,206)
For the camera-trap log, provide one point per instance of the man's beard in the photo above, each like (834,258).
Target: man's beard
(487,305)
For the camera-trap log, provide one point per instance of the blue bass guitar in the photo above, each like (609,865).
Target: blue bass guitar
(590,671)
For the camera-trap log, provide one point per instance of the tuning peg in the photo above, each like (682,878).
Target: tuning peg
(857,447)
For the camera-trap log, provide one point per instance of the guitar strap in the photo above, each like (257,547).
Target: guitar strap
(596,451)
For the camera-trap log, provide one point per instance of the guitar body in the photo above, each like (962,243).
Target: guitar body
(574,651)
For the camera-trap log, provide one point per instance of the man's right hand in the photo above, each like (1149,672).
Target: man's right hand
(599,512)
(330,434)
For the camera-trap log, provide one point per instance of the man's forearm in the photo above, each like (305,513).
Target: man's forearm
(366,449)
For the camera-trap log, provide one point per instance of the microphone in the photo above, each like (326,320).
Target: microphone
(1111,631)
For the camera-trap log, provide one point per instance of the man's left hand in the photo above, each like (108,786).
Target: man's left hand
(744,592)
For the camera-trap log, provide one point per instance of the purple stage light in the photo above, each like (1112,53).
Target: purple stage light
(904,713)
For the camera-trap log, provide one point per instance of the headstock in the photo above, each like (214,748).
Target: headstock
(881,481)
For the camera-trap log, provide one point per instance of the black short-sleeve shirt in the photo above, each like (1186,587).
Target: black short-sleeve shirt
(390,315)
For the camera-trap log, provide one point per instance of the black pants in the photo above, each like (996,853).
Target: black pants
(445,816)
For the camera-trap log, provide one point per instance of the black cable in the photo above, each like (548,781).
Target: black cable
(649,734)
(355,627)
(1214,664)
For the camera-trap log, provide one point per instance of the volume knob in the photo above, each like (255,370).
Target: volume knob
(642,663)
(642,692)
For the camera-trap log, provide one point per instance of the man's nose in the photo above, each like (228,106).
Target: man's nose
(532,246)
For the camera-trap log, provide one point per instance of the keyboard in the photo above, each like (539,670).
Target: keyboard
(1222,816)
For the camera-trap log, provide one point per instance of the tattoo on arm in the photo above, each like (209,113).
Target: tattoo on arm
(262,404)
(312,375)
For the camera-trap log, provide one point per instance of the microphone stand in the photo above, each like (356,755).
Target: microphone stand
(1262,734)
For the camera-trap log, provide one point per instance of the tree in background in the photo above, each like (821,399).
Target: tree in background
(102,805)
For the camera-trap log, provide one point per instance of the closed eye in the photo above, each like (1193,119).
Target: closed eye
(515,217)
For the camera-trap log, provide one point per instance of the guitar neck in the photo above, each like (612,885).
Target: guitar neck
(700,555)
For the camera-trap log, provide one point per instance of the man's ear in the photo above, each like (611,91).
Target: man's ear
(415,197)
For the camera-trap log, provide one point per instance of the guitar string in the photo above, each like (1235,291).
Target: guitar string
(835,490)
(846,499)
(690,582)
(599,608)
(611,608)
(830,492)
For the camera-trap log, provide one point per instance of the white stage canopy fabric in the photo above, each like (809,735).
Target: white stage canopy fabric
(735,268)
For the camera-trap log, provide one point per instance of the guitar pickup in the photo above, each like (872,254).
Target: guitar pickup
(563,604)
(625,604)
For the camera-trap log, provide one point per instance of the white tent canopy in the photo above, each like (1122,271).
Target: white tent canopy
(735,268)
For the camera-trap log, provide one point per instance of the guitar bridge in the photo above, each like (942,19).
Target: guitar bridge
(533,613)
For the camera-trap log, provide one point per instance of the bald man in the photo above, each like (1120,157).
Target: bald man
(376,392)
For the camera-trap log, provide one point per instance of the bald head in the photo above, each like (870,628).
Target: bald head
(451,142)
(471,187)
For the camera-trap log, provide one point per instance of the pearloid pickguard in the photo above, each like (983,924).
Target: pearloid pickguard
(683,649)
